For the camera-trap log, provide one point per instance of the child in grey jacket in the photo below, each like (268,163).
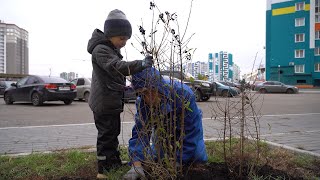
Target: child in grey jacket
(108,85)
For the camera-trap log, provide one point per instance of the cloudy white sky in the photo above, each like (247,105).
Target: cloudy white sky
(60,29)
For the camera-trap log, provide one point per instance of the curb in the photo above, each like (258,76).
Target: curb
(309,92)
(292,149)
(295,150)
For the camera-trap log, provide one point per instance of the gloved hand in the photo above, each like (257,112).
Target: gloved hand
(147,61)
(134,173)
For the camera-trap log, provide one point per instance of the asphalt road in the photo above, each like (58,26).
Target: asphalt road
(290,119)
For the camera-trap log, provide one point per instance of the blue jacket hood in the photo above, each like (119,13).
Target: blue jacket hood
(150,78)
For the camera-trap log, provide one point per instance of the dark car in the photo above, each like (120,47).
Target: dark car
(275,87)
(202,89)
(83,88)
(4,85)
(231,84)
(38,89)
(129,93)
(225,90)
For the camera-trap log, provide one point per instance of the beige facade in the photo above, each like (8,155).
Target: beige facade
(14,49)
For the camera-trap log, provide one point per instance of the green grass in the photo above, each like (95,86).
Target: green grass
(45,165)
(77,163)
(303,160)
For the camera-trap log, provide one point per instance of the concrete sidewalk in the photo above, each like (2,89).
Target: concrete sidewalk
(275,128)
(311,90)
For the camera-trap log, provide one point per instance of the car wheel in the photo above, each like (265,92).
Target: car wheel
(263,91)
(225,93)
(86,96)
(198,96)
(36,99)
(68,101)
(8,99)
(205,98)
(290,91)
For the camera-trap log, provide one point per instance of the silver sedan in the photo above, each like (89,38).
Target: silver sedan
(275,87)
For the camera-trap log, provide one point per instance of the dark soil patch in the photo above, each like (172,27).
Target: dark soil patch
(211,171)
(219,171)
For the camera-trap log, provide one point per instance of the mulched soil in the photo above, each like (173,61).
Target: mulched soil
(212,171)
(219,171)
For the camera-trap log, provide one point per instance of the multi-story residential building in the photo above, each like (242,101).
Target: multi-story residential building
(293,41)
(68,76)
(189,68)
(212,68)
(14,49)
(220,66)
(72,75)
(197,68)
(64,75)
(256,75)
(236,73)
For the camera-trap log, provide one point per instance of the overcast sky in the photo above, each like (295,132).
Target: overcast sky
(59,30)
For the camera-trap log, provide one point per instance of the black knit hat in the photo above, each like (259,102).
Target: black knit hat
(117,24)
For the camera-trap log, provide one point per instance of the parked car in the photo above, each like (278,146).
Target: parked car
(225,91)
(232,84)
(4,85)
(202,89)
(275,87)
(38,89)
(83,88)
(129,93)
(253,84)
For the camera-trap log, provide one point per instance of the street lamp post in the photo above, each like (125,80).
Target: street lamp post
(279,73)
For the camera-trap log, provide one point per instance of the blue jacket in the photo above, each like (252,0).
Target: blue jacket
(193,144)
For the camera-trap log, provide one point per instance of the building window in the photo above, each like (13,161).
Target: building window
(317,18)
(299,22)
(317,6)
(299,53)
(299,6)
(317,35)
(299,68)
(301,81)
(317,51)
(317,67)
(299,38)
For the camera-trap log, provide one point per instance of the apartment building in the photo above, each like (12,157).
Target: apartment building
(14,49)
(293,41)
(197,68)
(68,76)
(220,66)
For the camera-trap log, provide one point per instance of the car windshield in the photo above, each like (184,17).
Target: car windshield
(53,80)
(227,83)
(220,84)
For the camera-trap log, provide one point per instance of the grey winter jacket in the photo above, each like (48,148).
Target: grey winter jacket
(108,75)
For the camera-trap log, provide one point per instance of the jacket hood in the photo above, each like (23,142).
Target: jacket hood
(150,78)
(96,39)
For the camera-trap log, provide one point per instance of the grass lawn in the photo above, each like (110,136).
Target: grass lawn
(78,164)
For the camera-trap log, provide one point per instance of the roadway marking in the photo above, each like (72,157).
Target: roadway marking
(131,122)
(270,115)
